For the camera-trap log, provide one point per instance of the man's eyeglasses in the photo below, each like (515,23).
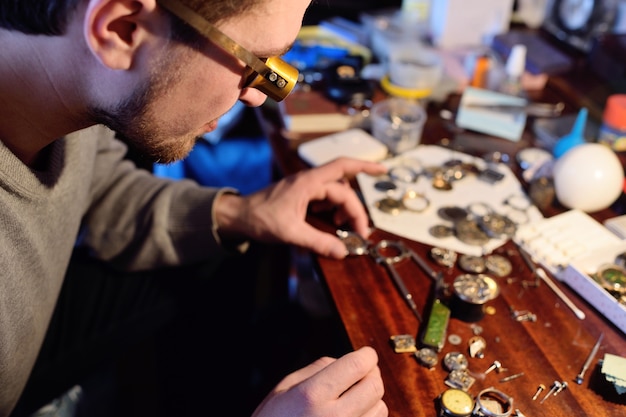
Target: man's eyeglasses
(271,76)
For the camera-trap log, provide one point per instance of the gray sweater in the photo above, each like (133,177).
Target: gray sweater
(129,217)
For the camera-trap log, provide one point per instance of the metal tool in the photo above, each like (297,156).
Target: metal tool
(581,375)
(531,109)
(436,276)
(389,262)
(541,273)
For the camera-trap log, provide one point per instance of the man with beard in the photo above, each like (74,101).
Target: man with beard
(76,75)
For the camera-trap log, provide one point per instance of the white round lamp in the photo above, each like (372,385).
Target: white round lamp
(588,177)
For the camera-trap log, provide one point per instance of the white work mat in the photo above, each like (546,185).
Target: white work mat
(465,192)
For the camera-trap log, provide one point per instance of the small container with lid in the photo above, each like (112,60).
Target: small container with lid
(613,129)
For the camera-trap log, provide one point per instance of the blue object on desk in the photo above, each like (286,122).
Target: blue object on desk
(574,138)
(306,56)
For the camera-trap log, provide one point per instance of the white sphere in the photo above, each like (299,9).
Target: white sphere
(588,177)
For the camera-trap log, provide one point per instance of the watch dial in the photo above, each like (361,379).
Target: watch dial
(575,14)
(457,402)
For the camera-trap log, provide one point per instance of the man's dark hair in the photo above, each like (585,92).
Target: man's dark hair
(37,17)
(49,17)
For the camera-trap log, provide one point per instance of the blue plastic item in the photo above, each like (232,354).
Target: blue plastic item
(574,138)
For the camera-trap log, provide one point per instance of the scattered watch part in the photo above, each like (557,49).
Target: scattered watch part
(455,402)
(443,256)
(455,361)
(441,231)
(479,209)
(415,201)
(385,185)
(612,278)
(542,192)
(390,205)
(471,292)
(497,225)
(477,329)
(477,346)
(455,339)
(496,157)
(355,244)
(490,176)
(461,379)
(490,310)
(427,357)
(475,288)
(518,201)
(403,343)
(468,231)
(472,264)
(452,213)
(498,265)
(440,182)
(493,402)
(403,173)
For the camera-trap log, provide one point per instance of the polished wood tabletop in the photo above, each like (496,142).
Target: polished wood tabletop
(552,348)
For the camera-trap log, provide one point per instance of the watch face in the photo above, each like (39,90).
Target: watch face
(457,403)
(498,265)
(473,264)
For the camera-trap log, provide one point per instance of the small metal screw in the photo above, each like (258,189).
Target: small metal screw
(495,365)
(561,388)
(540,388)
(527,317)
(555,386)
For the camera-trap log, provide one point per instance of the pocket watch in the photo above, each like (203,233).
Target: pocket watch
(498,265)
(472,264)
(455,402)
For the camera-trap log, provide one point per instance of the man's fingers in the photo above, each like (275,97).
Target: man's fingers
(304,373)
(349,369)
(348,167)
(367,393)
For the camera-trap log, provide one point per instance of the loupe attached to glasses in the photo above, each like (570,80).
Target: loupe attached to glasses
(272,76)
(277,79)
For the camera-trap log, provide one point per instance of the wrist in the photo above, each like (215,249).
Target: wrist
(225,213)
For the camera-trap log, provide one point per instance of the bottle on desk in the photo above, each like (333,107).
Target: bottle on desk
(613,129)
(514,69)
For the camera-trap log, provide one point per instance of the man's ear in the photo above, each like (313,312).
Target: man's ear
(115,29)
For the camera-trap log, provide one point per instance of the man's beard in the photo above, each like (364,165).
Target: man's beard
(135,119)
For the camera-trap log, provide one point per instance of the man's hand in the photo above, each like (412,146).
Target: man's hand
(278,213)
(350,386)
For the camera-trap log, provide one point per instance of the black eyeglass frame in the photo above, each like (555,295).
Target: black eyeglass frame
(272,76)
